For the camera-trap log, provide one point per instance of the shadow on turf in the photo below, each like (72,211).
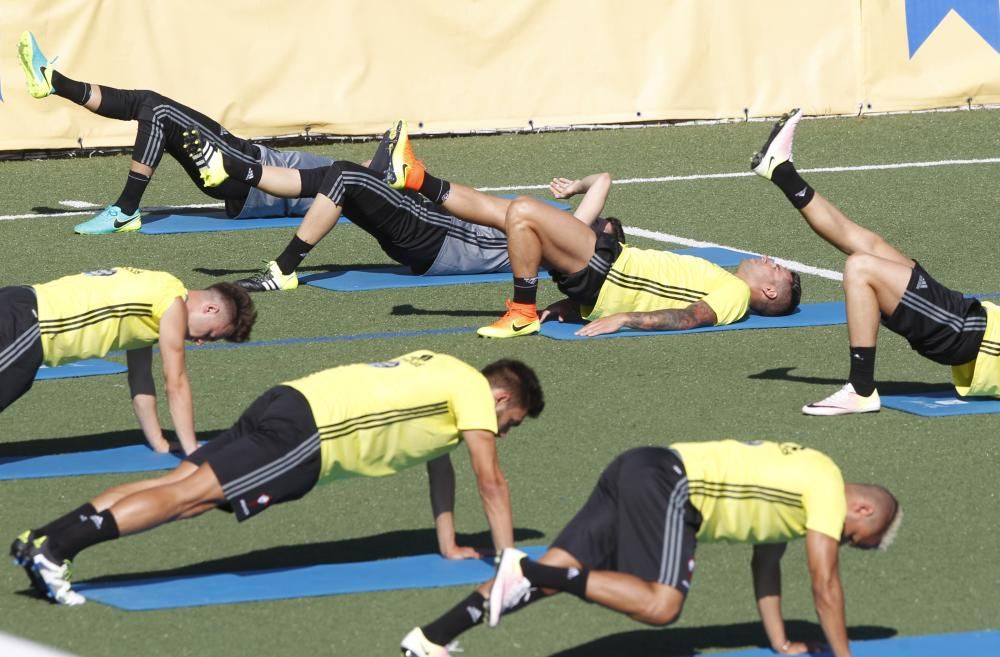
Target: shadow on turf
(406,310)
(320,269)
(90,442)
(402,543)
(884,387)
(688,641)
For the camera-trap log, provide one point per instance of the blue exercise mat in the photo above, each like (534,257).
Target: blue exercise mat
(114,460)
(965,644)
(166,224)
(417,572)
(89,367)
(807,314)
(945,403)
(384,278)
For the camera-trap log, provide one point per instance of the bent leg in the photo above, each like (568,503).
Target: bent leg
(538,232)
(835,227)
(873,287)
(471,205)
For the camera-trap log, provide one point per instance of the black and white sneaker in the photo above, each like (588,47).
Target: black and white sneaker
(270,279)
(778,147)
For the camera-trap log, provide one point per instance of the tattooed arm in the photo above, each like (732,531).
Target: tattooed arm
(674,319)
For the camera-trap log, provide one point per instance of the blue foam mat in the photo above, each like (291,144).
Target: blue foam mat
(807,314)
(167,224)
(114,460)
(946,403)
(423,571)
(383,278)
(89,367)
(965,644)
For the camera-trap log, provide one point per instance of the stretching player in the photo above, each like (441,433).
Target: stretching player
(415,230)
(882,283)
(357,420)
(88,315)
(610,283)
(631,547)
(161,124)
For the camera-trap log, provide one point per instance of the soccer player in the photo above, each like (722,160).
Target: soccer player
(369,420)
(882,284)
(88,315)
(611,284)
(161,124)
(631,547)
(415,230)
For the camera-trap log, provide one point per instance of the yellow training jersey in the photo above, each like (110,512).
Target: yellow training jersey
(375,419)
(87,315)
(981,377)
(763,492)
(643,280)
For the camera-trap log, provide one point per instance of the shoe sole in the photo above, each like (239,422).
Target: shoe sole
(29,70)
(836,412)
(495,599)
(130,227)
(758,157)
(397,149)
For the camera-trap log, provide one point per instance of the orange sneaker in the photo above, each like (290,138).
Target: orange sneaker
(520,319)
(405,170)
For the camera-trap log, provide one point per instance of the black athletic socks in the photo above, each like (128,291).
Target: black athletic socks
(791,183)
(135,187)
(293,255)
(72,518)
(97,528)
(435,189)
(569,580)
(862,375)
(525,290)
(248,173)
(464,616)
(78,92)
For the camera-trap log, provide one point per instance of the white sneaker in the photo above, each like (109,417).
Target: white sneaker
(844,402)
(56,577)
(778,147)
(415,644)
(510,586)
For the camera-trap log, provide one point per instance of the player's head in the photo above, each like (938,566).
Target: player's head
(223,311)
(610,226)
(516,390)
(873,517)
(774,289)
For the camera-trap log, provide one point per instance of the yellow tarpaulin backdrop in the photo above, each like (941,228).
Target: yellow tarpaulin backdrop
(352,66)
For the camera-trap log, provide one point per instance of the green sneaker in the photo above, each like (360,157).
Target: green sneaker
(205,156)
(37,67)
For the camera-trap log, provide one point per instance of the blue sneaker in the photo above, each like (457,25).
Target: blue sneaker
(110,220)
(37,67)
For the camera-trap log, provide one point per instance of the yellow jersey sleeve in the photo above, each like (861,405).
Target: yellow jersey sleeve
(473,403)
(729,300)
(981,377)
(824,500)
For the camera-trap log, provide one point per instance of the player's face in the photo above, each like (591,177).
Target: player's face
(204,327)
(769,270)
(508,417)
(859,534)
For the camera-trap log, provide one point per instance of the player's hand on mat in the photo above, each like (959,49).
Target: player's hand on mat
(564,187)
(562,311)
(457,552)
(608,324)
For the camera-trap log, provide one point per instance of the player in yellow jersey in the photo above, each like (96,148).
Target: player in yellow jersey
(631,547)
(88,315)
(370,419)
(881,285)
(611,284)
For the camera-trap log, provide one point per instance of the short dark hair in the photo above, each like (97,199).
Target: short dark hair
(783,304)
(244,313)
(617,229)
(518,379)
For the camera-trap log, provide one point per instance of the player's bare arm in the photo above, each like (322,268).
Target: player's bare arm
(492,484)
(828,595)
(441,477)
(595,189)
(671,319)
(173,332)
(143,391)
(766,568)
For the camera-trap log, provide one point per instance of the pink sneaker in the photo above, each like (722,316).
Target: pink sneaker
(844,402)
(778,147)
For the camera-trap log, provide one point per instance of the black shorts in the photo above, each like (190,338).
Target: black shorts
(638,520)
(20,343)
(940,324)
(584,286)
(409,227)
(271,455)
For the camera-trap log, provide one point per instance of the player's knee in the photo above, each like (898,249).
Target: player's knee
(664,608)
(859,268)
(520,213)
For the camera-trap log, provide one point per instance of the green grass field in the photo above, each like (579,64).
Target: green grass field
(603,396)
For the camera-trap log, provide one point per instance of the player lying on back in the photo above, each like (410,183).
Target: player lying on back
(631,547)
(611,284)
(415,230)
(883,285)
(88,315)
(161,123)
(369,419)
